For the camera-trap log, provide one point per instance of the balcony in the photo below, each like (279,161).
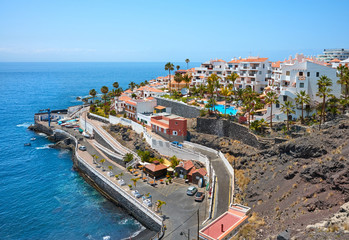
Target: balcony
(301,78)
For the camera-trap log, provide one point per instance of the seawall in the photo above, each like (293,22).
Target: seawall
(101,183)
(179,108)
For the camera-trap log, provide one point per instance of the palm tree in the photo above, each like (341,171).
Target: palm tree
(201,89)
(232,78)
(116,85)
(110,168)
(95,157)
(187,79)
(121,174)
(170,67)
(93,93)
(160,204)
(118,92)
(132,85)
(187,62)
(344,78)
(134,180)
(302,98)
(287,108)
(178,67)
(102,161)
(178,79)
(324,83)
(212,103)
(128,157)
(105,90)
(225,92)
(213,82)
(271,98)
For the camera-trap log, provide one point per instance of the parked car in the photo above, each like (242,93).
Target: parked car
(199,197)
(82,148)
(191,190)
(177,144)
(122,182)
(136,194)
(147,202)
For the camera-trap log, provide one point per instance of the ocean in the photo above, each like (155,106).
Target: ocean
(41,196)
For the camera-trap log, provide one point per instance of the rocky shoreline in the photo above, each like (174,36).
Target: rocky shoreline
(61,141)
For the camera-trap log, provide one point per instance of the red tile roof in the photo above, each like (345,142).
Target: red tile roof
(201,171)
(156,167)
(131,102)
(124,98)
(249,60)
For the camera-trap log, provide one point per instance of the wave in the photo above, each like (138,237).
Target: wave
(46,146)
(135,233)
(106,238)
(42,134)
(26,124)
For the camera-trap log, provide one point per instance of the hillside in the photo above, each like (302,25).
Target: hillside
(293,184)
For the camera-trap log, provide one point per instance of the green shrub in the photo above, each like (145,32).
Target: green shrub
(113,112)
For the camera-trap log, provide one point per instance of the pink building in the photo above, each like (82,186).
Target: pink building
(171,127)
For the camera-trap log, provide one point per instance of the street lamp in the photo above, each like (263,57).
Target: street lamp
(186,234)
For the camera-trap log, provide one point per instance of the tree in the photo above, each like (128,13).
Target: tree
(324,83)
(128,157)
(170,67)
(187,62)
(93,94)
(225,92)
(259,125)
(102,161)
(232,78)
(174,161)
(134,180)
(187,79)
(144,155)
(116,85)
(133,95)
(121,174)
(178,67)
(271,98)
(344,79)
(132,85)
(110,168)
(105,90)
(287,108)
(201,89)
(178,79)
(160,204)
(332,105)
(95,158)
(213,82)
(212,103)
(302,98)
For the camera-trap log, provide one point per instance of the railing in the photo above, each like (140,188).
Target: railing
(230,170)
(125,194)
(100,117)
(106,150)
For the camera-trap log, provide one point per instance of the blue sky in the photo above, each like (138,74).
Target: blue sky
(112,30)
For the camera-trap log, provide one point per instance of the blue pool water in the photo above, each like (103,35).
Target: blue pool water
(230,110)
(41,197)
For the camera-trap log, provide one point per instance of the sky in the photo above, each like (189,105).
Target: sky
(163,30)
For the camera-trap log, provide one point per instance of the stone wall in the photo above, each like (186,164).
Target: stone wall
(90,116)
(116,197)
(225,128)
(179,108)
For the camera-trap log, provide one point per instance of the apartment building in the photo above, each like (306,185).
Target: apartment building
(254,72)
(330,54)
(295,75)
(134,106)
(171,127)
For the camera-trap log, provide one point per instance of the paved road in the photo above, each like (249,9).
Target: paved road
(223,182)
(180,210)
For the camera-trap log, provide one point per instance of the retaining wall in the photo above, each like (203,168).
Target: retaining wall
(179,108)
(225,128)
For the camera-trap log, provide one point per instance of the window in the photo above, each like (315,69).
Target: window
(263,65)
(284,98)
(277,105)
(260,72)
(242,79)
(176,123)
(308,74)
(317,74)
(301,85)
(175,133)
(300,74)
(245,65)
(287,73)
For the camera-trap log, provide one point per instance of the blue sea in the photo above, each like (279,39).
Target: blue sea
(41,197)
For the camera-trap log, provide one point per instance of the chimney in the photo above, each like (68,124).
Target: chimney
(222,227)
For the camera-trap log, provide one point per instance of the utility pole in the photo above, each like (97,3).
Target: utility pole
(198,222)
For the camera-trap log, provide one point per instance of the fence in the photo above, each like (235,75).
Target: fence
(231,171)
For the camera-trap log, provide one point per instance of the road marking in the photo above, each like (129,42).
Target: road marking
(214,197)
(167,190)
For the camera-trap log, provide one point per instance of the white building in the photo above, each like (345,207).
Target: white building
(147,91)
(293,76)
(254,72)
(330,54)
(134,106)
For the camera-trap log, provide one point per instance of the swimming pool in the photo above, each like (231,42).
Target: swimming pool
(230,110)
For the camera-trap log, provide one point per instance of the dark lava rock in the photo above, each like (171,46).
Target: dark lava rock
(302,149)
(285,235)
